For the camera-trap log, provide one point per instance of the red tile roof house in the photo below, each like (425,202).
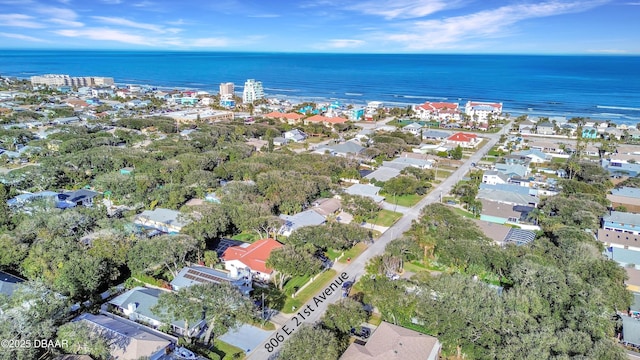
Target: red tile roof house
(465,140)
(326,121)
(441,110)
(289,118)
(253,256)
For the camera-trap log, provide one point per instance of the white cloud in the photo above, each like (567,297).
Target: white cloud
(608,51)
(105,34)
(112,2)
(22,37)
(209,42)
(453,32)
(343,43)
(143,4)
(128,23)
(403,9)
(56,12)
(67,23)
(19,20)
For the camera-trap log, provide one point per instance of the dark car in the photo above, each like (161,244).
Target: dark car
(364,332)
(347,285)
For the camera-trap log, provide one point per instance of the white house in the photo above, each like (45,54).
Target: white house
(251,256)
(480,111)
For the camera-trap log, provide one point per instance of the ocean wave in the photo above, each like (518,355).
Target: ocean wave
(283,90)
(419,97)
(352,94)
(617,107)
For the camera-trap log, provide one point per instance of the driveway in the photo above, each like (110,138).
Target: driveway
(246,337)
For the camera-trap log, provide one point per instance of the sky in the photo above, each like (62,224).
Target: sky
(349,26)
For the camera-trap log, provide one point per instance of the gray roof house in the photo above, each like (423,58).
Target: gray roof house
(435,135)
(136,304)
(195,274)
(383,173)
(413,128)
(367,190)
(128,340)
(512,170)
(163,220)
(301,219)
(295,135)
(404,161)
(526,127)
(351,147)
(80,197)
(545,128)
(508,197)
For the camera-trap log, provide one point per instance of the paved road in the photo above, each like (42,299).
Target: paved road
(312,311)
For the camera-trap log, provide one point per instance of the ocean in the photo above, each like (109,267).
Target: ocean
(598,87)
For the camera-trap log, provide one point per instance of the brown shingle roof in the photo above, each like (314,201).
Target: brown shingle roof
(394,342)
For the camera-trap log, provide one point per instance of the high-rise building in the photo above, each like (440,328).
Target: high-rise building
(226,89)
(66,80)
(252,91)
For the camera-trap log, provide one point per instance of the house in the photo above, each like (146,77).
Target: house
(502,213)
(620,231)
(545,128)
(480,111)
(327,207)
(526,127)
(621,167)
(252,256)
(137,303)
(536,156)
(504,234)
(435,135)
(25,198)
(413,128)
(405,161)
(128,340)
(8,284)
(345,149)
(627,197)
(366,190)
(465,140)
(80,197)
(439,110)
(163,220)
(195,274)
(295,135)
(494,177)
(589,133)
(508,194)
(512,170)
(299,220)
(280,141)
(390,341)
(383,173)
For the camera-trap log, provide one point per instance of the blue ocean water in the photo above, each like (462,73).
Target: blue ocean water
(599,87)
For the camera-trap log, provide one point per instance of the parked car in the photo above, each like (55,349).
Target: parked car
(364,332)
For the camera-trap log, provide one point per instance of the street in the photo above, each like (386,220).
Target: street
(313,310)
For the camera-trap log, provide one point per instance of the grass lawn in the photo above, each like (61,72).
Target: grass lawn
(246,237)
(385,218)
(264,325)
(405,200)
(295,282)
(320,282)
(463,213)
(375,319)
(227,351)
(414,268)
(558,160)
(354,252)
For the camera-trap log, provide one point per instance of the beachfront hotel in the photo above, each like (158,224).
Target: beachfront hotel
(226,89)
(480,111)
(66,80)
(189,116)
(252,91)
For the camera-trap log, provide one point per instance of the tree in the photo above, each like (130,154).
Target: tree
(5,212)
(166,251)
(221,306)
(209,222)
(288,261)
(344,315)
(32,312)
(80,339)
(179,305)
(456,153)
(362,208)
(312,343)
